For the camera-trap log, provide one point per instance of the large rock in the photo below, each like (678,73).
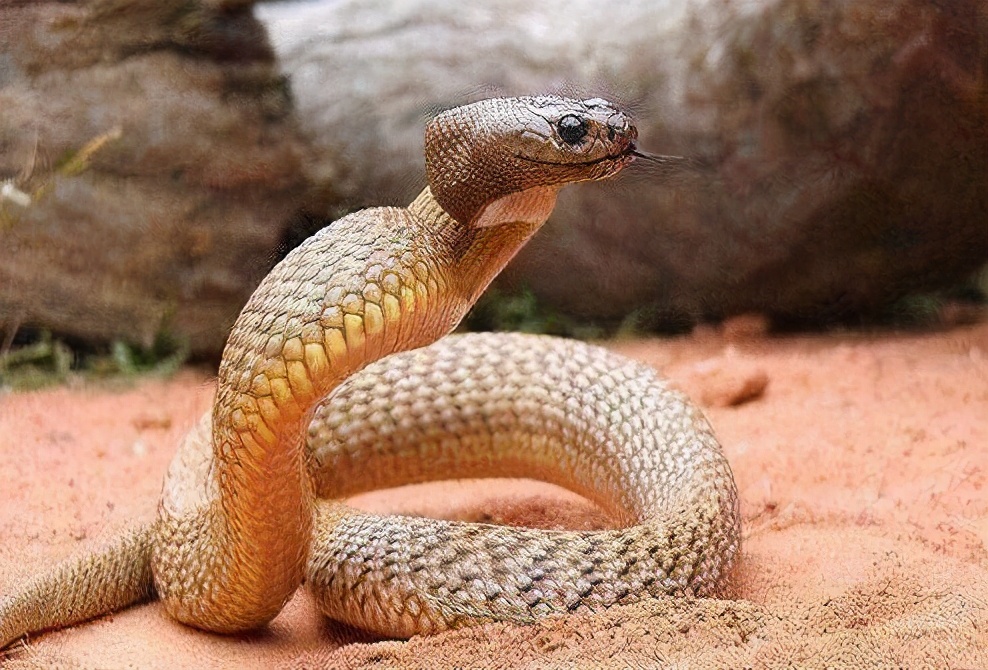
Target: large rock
(194,167)
(848,140)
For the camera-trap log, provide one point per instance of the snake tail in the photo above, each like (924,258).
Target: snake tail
(105,579)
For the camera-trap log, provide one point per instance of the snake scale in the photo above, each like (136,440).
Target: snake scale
(339,377)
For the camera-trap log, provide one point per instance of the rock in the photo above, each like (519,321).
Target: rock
(846,142)
(725,381)
(157,146)
(745,328)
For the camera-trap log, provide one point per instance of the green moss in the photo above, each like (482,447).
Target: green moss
(41,360)
(499,310)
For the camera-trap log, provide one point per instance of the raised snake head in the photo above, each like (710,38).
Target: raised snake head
(480,153)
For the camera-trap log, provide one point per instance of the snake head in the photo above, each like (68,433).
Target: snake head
(576,140)
(481,153)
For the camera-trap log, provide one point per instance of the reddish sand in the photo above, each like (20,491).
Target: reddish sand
(862,463)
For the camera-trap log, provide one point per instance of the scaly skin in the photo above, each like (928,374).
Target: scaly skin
(515,406)
(239,524)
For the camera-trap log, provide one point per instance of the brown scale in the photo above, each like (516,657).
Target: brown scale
(304,416)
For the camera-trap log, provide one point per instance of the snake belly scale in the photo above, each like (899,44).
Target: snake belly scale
(339,377)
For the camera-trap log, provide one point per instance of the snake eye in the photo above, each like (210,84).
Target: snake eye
(571,129)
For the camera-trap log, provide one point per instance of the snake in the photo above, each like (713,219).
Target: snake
(342,375)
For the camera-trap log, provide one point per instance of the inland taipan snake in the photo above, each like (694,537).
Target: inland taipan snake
(252,506)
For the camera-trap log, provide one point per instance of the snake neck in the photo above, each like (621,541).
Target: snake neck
(476,253)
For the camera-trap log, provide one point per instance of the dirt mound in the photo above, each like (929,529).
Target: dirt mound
(862,463)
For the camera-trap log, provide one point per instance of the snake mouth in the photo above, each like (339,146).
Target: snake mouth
(629,151)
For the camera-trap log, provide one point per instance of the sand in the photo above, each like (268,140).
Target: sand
(862,463)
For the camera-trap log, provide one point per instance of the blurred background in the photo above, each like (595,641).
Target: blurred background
(156,159)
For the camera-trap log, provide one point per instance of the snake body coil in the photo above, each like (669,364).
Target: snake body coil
(304,416)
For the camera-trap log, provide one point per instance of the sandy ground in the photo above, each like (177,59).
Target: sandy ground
(862,463)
